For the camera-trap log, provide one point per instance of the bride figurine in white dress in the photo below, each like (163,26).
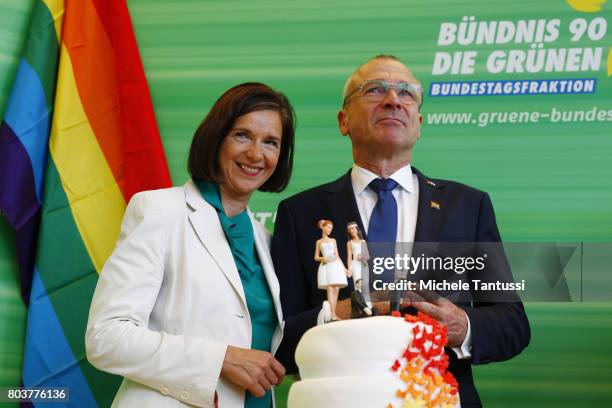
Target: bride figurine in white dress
(331,275)
(357,263)
(356,259)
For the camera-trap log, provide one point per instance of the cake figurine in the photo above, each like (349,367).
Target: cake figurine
(356,262)
(384,361)
(356,259)
(332,274)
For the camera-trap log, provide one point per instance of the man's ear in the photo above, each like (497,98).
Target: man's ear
(343,123)
(420,123)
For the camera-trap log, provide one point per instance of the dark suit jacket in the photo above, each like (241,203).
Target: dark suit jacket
(499,330)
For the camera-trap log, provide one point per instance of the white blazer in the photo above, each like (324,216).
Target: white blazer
(169,301)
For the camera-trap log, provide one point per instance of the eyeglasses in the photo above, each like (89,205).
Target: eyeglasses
(376,90)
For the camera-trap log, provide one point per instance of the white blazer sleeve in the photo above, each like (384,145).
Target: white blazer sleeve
(118,339)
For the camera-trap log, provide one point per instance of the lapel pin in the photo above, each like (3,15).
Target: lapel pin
(431,183)
(435,204)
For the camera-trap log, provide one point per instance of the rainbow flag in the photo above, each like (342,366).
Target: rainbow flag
(78,139)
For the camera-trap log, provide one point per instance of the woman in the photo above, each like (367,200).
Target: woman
(187,307)
(331,275)
(355,260)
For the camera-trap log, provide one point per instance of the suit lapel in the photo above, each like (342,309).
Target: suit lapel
(431,210)
(205,222)
(340,199)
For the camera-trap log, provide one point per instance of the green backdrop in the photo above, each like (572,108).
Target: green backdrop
(549,181)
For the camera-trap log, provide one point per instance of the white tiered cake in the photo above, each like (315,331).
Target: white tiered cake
(385,361)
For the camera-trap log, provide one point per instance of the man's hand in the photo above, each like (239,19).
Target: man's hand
(253,370)
(445,312)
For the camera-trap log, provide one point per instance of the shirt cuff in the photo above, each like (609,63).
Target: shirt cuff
(465,351)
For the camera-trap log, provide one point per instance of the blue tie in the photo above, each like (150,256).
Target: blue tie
(383,223)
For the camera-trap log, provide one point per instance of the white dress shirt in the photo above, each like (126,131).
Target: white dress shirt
(406,195)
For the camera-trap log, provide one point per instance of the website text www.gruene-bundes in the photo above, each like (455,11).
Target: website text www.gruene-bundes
(553,115)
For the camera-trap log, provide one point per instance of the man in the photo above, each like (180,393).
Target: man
(384,193)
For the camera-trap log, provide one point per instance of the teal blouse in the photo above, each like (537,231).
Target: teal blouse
(239,233)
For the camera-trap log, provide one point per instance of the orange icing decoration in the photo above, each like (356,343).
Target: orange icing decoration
(423,366)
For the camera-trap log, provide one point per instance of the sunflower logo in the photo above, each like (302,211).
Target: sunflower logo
(586,6)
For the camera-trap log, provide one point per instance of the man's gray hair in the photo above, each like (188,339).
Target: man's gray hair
(349,81)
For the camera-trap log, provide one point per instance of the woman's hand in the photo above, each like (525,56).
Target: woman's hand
(349,273)
(253,370)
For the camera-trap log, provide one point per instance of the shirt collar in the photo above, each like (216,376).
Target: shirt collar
(361,178)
